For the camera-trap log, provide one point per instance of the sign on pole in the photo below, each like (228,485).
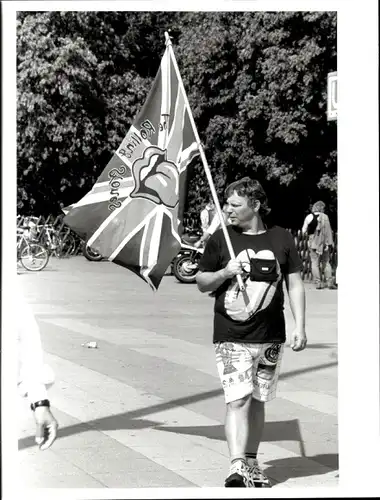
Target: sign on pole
(332,96)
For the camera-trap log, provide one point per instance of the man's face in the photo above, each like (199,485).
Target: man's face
(238,210)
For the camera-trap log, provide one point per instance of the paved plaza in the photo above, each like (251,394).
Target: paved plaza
(145,408)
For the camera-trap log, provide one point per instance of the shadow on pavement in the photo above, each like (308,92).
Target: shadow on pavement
(45,270)
(289,468)
(128,420)
(284,430)
(331,345)
(282,469)
(293,373)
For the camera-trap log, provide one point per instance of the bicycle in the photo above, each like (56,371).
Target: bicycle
(67,242)
(48,237)
(33,256)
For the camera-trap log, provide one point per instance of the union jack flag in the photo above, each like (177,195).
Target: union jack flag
(132,213)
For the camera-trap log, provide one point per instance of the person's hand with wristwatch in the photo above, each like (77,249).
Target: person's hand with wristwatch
(46,424)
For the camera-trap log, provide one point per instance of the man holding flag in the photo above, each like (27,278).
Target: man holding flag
(249,323)
(132,215)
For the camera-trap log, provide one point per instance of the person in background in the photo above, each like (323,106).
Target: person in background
(215,224)
(34,377)
(207,215)
(320,243)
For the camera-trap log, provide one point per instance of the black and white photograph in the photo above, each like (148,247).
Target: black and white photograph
(190,309)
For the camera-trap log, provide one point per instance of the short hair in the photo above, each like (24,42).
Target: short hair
(251,189)
(318,206)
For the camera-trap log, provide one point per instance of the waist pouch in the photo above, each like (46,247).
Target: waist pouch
(263,270)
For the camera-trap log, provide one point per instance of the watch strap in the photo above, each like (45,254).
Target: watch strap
(42,402)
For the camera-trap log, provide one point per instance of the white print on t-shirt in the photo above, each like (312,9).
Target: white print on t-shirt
(257,296)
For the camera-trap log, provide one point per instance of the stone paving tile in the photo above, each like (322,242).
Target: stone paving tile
(65,480)
(143,479)
(298,477)
(211,478)
(193,457)
(109,454)
(49,470)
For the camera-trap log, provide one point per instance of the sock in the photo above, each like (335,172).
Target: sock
(233,460)
(250,457)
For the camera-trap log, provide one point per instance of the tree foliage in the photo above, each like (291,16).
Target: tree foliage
(256,82)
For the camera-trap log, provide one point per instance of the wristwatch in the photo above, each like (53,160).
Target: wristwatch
(43,402)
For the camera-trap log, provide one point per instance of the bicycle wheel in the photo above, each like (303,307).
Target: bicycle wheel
(91,254)
(55,247)
(34,257)
(68,245)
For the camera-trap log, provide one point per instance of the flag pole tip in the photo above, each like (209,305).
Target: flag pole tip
(167,37)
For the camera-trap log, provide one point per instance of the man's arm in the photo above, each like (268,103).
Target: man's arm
(215,223)
(32,373)
(306,223)
(330,238)
(204,220)
(203,239)
(210,281)
(297,301)
(30,355)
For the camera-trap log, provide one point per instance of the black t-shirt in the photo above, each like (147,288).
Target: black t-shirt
(257,314)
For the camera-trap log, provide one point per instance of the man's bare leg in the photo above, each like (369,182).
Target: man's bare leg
(237,432)
(237,426)
(256,419)
(256,427)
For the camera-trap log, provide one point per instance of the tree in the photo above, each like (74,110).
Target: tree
(256,83)
(82,76)
(259,90)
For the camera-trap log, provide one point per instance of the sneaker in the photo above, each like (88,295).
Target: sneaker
(319,286)
(238,476)
(256,477)
(333,287)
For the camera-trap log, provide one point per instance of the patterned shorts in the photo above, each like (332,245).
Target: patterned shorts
(249,369)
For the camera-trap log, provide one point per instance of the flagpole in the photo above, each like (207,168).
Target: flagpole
(204,160)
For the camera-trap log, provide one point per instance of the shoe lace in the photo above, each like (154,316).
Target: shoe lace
(256,472)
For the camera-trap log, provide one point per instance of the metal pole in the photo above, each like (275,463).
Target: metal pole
(204,160)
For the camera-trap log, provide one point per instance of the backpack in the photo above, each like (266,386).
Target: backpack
(312,225)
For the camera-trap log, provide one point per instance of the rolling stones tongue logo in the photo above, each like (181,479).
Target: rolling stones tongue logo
(258,295)
(156,178)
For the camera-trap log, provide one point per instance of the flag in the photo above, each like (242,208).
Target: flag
(131,215)
(67,209)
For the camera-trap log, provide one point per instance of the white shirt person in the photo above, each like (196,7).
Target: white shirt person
(34,377)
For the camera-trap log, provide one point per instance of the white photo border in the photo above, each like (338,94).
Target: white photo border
(358,205)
